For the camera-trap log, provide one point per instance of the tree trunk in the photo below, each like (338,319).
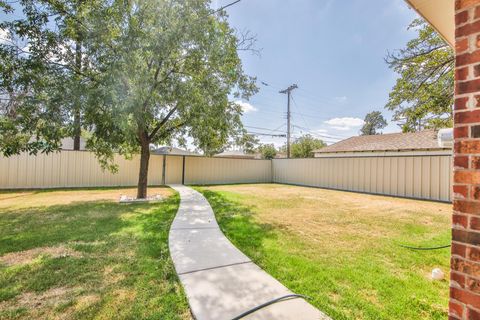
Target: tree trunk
(77,131)
(143,174)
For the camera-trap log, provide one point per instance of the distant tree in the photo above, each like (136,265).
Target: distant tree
(268,151)
(423,94)
(373,121)
(248,142)
(304,146)
(168,71)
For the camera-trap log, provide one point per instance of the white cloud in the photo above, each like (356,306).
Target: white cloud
(341,99)
(246,107)
(345,124)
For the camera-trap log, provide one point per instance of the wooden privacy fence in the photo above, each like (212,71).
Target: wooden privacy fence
(81,169)
(423,177)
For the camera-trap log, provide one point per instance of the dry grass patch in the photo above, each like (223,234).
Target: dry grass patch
(34,198)
(322,215)
(39,304)
(27,256)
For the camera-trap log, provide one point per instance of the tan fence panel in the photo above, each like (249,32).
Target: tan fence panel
(174,170)
(72,169)
(423,177)
(202,170)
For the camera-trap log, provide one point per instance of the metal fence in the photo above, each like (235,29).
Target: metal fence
(415,176)
(202,170)
(81,169)
(422,177)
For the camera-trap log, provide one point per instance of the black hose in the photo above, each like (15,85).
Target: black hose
(425,248)
(263,305)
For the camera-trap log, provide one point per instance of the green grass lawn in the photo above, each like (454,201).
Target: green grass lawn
(341,248)
(77,254)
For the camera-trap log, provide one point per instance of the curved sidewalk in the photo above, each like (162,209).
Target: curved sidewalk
(220,281)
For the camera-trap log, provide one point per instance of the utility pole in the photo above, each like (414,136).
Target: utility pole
(288,91)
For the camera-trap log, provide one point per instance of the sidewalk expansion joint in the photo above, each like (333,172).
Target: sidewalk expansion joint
(194,228)
(217,267)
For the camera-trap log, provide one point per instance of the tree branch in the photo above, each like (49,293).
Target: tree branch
(435,70)
(160,125)
(171,129)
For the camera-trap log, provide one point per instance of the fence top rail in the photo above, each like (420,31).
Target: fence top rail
(372,156)
(155,154)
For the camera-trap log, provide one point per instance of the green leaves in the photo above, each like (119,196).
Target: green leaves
(128,73)
(304,146)
(373,122)
(268,151)
(166,56)
(45,72)
(423,95)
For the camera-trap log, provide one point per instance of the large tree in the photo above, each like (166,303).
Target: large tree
(170,69)
(373,121)
(44,69)
(423,94)
(304,146)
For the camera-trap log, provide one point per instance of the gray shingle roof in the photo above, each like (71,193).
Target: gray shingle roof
(421,140)
(173,151)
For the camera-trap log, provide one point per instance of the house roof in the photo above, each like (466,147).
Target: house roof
(422,140)
(234,154)
(67,143)
(173,151)
(440,14)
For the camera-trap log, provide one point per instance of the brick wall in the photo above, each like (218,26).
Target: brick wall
(465,263)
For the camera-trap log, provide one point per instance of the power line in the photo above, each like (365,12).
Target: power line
(267,134)
(226,6)
(303,118)
(323,136)
(319,135)
(266,128)
(280,126)
(326,135)
(308,95)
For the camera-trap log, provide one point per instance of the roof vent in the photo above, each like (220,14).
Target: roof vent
(445,138)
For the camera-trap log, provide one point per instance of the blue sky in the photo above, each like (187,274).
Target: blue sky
(333,50)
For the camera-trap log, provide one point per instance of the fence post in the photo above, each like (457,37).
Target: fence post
(183,170)
(164,166)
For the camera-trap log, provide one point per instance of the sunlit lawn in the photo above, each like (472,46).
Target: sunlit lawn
(78,254)
(341,248)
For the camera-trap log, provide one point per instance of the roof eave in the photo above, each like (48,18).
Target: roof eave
(442,18)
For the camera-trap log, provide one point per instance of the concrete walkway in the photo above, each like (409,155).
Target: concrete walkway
(219,280)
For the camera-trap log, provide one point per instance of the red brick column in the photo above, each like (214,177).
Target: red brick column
(465,263)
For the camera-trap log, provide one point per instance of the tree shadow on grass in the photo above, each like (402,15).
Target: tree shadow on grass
(26,228)
(131,238)
(238,224)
